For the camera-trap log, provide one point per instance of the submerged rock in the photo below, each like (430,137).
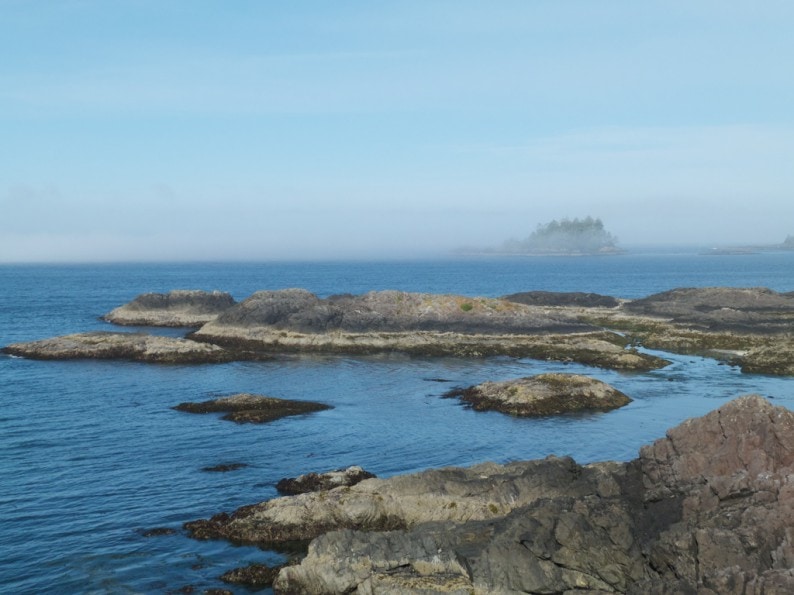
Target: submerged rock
(544,394)
(130,346)
(176,308)
(707,509)
(224,467)
(248,408)
(315,482)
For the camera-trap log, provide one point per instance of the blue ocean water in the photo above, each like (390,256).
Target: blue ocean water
(92,455)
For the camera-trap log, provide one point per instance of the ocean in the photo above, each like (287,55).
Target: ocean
(92,455)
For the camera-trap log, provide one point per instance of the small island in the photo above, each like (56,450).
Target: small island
(566,237)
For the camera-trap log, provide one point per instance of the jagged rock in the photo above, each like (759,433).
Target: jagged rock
(543,394)
(248,408)
(561,298)
(315,482)
(707,509)
(131,346)
(176,308)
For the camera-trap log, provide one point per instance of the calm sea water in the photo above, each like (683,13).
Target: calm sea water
(92,455)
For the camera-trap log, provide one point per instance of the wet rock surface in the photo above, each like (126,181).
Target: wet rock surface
(248,408)
(544,394)
(176,308)
(254,576)
(129,346)
(315,482)
(707,509)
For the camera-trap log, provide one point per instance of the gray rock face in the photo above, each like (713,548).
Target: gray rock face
(755,310)
(175,308)
(392,311)
(707,509)
(544,394)
(558,298)
(131,346)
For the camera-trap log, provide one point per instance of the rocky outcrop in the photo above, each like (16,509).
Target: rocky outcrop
(707,509)
(295,320)
(754,310)
(315,482)
(776,358)
(559,298)
(176,308)
(390,312)
(544,394)
(248,408)
(129,346)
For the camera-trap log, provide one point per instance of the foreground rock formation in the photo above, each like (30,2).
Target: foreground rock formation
(543,394)
(176,308)
(707,509)
(248,408)
(129,346)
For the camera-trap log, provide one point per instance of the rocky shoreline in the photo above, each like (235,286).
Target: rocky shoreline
(706,509)
(747,327)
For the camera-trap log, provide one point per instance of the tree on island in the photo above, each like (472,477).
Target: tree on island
(789,242)
(566,236)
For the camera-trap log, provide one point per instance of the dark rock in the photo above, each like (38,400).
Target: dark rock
(315,482)
(558,298)
(175,308)
(754,310)
(254,576)
(544,394)
(223,468)
(248,408)
(129,346)
(158,532)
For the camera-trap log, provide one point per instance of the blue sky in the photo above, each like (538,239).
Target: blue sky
(165,130)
